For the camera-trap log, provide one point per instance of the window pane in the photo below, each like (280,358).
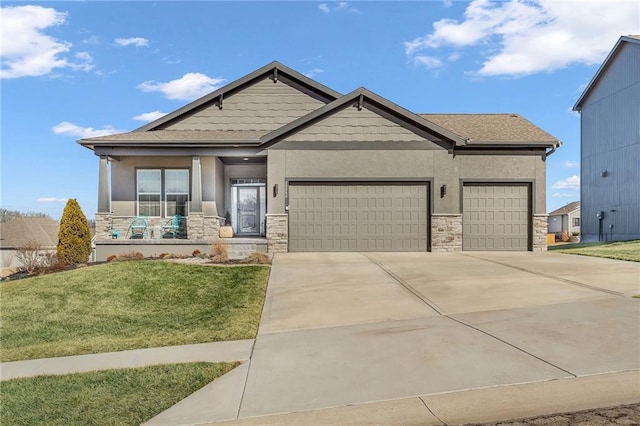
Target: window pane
(177,181)
(177,204)
(148,181)
(149,205)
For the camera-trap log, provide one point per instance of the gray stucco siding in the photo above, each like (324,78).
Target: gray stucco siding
(263,106)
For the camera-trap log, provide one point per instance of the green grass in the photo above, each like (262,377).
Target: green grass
(621,250)
(129,305)
(111,397)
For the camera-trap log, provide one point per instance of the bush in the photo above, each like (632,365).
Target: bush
(112,257)
(258,257)
(163,255)
(220,252)
(195,253)
(134,255)
(31,256)
(74,237)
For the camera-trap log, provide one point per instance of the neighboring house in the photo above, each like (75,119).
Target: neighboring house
(22,231)
(610,146)
(314,170)
(565,219)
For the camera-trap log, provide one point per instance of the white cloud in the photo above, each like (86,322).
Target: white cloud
(93,39)
(149,116)
(454,56)
(341,6)
(51,200)
(525,37)
(70,129)
(132,41)
(428,61)
(564,195)
(312,73)
(571,183)
(187,88)
(571,164)
(31,52)
(447,3)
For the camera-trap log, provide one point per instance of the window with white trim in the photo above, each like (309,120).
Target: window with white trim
(149,192)
(156,187)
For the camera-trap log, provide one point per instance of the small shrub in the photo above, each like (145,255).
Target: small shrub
(195,253)
(29,256)
(112,257)
(134,255)
(163,255)
(258,258)
(220,253)
(575,233)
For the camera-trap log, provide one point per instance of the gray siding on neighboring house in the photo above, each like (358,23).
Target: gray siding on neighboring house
(610,140)
(263,106)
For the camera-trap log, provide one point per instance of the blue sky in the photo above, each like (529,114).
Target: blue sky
(78,69)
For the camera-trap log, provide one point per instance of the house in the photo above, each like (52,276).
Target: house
(565,219)
(302,167)
(39,232)
(610,146)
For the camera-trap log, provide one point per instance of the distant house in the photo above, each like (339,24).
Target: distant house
(18,232)
(565,219)
(610,146)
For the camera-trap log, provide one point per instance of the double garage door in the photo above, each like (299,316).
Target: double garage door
(358,217)
(395,217)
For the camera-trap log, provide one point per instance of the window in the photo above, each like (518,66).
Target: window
(156,185)
(149,191)
(576,221)
(176,192)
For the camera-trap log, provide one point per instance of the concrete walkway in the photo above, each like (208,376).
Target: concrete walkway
(239,350)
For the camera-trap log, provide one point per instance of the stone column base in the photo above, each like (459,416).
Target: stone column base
(277,233)
(195,226)
(540,226)
(103,226)
(446,232)
(211,228)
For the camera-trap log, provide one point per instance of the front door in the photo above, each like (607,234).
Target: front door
(248,210)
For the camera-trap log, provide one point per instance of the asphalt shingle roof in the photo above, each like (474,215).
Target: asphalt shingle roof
(20,231)
(566,209)
(491,128)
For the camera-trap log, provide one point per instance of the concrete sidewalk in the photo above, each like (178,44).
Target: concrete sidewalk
(239,350)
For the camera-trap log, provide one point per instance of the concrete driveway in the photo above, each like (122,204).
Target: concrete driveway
(423,330)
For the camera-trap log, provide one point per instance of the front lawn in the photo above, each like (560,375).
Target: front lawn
(111,397)
(129,305)
(621,250)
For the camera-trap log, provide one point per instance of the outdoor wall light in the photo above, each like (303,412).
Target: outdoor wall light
(275,190)
(604,173)
(443,191)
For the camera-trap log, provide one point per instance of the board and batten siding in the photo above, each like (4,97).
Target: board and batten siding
(610,138)
(263,106)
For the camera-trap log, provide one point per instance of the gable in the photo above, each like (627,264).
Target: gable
(265,105)
(353,125)
(623,71)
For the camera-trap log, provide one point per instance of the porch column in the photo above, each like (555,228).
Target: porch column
(104,199)
(196,185)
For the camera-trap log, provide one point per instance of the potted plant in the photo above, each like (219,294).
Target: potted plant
(226,231)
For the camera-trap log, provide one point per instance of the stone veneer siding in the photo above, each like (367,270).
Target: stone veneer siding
(540,223)
(277,233)
(197,227)
(446,232)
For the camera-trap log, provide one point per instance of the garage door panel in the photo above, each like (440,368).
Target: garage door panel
(495,217)
(359,217)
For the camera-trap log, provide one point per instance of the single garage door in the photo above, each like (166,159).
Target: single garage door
(358,217)
(495,217)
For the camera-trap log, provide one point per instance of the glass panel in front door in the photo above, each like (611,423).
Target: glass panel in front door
(248,210)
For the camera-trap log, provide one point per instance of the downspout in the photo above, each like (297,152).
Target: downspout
(553,149)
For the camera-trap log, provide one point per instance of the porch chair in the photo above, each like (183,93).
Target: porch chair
(138,227)
(172,226)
